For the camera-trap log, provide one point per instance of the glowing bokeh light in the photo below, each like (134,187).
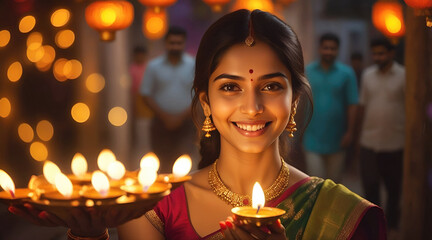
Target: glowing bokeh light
(65,38)
(393,24)
(5,107)
(155,25)
(117,116)
(95,82)
(80,112)
(15,71)
(25,132)
(49,55)
(38,151)
(34,40)
(60,17)
(35,54)
(4,37)
(72,69)
(45,130)
(108,16)
(58,69)
(27,24)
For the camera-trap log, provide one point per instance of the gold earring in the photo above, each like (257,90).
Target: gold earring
(208,126)
(291,127)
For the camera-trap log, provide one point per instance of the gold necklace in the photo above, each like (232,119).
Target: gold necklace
(237,200)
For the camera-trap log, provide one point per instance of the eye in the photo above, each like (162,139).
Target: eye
(229,87)
(273,86)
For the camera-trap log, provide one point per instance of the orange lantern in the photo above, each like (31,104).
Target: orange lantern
(156,5)
(422,8)
(216,5)
(264,5)
(387,17)
(155,24)
(108,17)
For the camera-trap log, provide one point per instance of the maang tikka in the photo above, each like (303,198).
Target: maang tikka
(250,41)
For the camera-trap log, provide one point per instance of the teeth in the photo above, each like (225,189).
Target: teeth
(250,128)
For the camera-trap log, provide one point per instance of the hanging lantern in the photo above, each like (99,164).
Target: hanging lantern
(387,17)
(155,24)
(216,5)
(108,17)
(264,5)
(422,8)
(157,5)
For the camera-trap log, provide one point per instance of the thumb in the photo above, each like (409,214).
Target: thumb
(276,227)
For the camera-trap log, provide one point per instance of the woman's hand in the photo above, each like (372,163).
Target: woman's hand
(234,230)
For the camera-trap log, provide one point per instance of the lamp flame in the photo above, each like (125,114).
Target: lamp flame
(258,198)
(105,157)
(116,170)
(151,161)
(63,185)
(146,178)
(50,171)
(6,183)
(100,183)
(182,166)
(79,165)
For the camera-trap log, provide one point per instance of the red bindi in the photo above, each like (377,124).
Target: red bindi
(250,71)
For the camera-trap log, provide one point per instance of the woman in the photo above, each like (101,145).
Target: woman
(248,80)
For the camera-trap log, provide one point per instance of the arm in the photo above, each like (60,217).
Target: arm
(139,229)
(352,101)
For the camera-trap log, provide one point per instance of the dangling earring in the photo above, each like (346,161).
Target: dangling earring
(208,126)
(291,127)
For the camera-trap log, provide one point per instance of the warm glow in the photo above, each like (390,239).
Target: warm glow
(4,37)
(45,62)
(216,4)
(60,17)
(63,184)
(146,177)
(100,183)
(264,5)
(116,170)
(45,130)
(155,24)
(27,23)
(72,69)
(25,132)
(156,5)
(6,183)
(258,197)
(5,107)
(80,112)
(38,151)
(150,161)
(79,165)
(50,171)
(95,82)
(419,3)
(34,40)
(108,16)
(14,71)
(117,116)
(58,69)
(393,24)
(182,166)
(35,54)
(105,158)
(65,38)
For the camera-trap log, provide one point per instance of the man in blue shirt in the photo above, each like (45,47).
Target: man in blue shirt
(335,96)
(166,88)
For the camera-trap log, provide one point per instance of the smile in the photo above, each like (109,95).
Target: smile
(250,127)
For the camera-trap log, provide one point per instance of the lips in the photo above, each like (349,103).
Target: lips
(251,129)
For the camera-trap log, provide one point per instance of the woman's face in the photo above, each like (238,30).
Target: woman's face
(249,97)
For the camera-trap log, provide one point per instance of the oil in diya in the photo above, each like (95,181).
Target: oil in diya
(257,214)
(181,168)
(79,167)
(10,194)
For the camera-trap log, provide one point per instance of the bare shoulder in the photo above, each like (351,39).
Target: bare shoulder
(295,175)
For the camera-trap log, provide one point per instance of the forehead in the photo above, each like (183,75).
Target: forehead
(260,57)
(329,43)
(175,38)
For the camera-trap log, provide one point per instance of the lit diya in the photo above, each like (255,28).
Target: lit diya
(65,190)
(147,185)
(11,195)
(101,190)
(257,214)
(181,168)
(79,167)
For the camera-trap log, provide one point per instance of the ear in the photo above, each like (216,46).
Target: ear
(295,102)
(203,97)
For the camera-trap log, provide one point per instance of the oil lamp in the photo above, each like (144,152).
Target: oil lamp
(10,194)
(101,190)
(80,175)
(181,168)
(257,214)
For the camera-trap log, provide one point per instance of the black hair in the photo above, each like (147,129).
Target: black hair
(384,42)
(176,30)
(233,29)
(329,37)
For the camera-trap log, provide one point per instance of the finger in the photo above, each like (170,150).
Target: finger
(53,219)
(25,214)
(277,227)
(33,211)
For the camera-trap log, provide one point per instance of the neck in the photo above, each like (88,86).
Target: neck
(385,68)
(174,59)
(326,65)
(239,171)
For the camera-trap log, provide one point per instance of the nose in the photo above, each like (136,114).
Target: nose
(252,104)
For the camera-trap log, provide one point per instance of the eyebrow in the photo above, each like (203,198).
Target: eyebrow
(235,77)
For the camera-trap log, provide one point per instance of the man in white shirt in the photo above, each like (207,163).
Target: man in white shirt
(382,106)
